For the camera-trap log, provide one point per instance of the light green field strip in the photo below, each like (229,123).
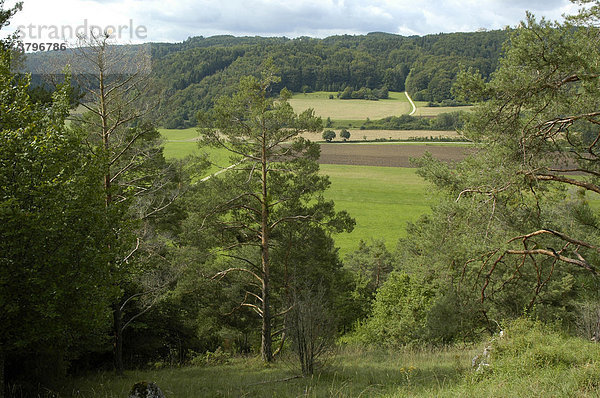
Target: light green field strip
(181,143)
(355,109)
(364,135)
(431,111)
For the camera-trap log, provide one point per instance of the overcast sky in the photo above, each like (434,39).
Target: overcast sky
(176,20)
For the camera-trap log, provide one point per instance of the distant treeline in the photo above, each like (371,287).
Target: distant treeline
(450,121)
(192,74)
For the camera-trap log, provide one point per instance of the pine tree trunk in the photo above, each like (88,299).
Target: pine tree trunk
(118,340)
(266,346)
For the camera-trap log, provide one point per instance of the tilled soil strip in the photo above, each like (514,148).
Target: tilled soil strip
(389,155)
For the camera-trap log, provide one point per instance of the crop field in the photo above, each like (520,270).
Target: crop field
(390,155)
(355,109)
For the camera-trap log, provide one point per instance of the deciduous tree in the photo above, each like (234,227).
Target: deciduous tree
(54,279)
(139,186)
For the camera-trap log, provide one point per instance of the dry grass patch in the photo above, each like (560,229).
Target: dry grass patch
(424,110)
(354,109)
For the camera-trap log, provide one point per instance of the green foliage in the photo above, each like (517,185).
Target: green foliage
(266,216)
(511,233)
(399,313)
(443,121)
(363,93)
(218,357)
(328,135)
(54,279)
(345,134)
(370,264)
(531,358)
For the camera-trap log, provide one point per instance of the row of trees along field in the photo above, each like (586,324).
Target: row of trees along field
(112,257)
(192,74)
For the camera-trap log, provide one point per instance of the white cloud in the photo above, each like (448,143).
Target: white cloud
(175,20)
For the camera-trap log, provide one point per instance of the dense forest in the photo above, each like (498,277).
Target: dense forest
(195,72)
(113,257)
(192,74)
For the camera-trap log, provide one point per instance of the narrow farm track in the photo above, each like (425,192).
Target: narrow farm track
(387,154)
(414,107)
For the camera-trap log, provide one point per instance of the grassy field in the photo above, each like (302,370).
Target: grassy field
(530,360)
(381,199)
(353,373)
(338,109)
(181,143)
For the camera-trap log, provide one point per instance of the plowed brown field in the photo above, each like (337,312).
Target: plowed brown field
(390,155)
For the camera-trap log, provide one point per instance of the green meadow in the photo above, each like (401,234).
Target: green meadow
(181,143)
(381,199)
(432,111)
(352,373)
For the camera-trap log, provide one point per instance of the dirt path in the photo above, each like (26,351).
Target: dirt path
(414,107)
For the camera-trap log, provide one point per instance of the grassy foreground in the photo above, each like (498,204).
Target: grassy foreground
(530,360)
(352,373)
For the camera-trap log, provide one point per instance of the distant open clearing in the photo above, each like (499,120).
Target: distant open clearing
(381,199)
(351,109)
(388,155)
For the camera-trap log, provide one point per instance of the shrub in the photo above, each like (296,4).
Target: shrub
(218,357)
(399,313)
(534,359)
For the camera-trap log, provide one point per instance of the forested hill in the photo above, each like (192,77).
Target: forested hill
(191,74)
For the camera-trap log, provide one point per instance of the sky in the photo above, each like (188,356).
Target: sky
(136,21)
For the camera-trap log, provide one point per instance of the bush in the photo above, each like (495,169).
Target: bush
(218,357)
(534,359)
(399,313)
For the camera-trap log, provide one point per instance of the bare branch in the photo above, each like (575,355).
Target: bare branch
(580,262)
(570,181)
(222,274)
